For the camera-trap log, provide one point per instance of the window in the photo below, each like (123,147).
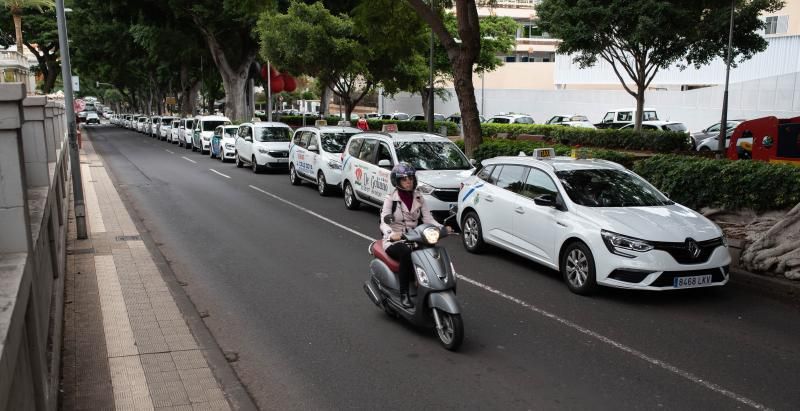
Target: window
(530,31)
(367,148)
(313,140)
(485,173)
(538,183)
(499,120)
(512,178)
(273,133)
(384,153)
(335,142)
(649,116)
(298,137)
(609,188)
(511,59)
(424,155)
(609,118)
(355,146)
(776,25)
(624,116)
(713,129)
(524,120)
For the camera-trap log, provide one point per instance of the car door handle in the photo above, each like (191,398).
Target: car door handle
(519,210)
(489,198)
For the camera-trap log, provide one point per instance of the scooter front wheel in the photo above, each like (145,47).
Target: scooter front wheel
(450,329)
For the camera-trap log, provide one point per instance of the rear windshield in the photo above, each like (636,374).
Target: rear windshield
(676,127)
(649,116)
(231,132)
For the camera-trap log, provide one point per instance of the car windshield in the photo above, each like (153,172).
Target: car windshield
(335,142)
(432,155)
(211,125)
(609,188)
(166,121)
(500,120)
(272,133)
(676,127)
(231,132)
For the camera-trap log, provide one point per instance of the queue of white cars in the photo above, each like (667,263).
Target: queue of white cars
(593,220)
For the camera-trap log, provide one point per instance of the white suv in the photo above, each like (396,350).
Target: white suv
(369,158)
(593,220)
(511,119)
(315,155)
(204,129)
(263,145)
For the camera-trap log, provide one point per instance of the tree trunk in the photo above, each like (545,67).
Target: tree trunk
(462,80)
(778,250)
(192,99)
(323,102)
(51,76)
(637,121)
(18,30)
(423,93)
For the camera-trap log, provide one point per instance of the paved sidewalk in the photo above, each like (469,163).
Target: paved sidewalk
(126,343)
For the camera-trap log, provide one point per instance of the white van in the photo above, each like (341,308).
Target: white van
(204,127)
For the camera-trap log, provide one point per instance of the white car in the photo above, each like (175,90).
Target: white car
(571,120)
(165,129)
(223,144)
(185,132)
(263,145)
(594,220)
(315,155)
(141,123)
(421,117)
(92,118)
(511,119)
(175,131)
(659,125)
(369,158)
(395,116)
(204,127)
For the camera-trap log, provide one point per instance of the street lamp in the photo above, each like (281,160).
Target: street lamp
(723,125)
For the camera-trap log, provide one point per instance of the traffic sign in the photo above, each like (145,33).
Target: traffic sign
(76,84)
(78,105)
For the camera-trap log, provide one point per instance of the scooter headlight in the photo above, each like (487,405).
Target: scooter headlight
(422,276)
(431,235)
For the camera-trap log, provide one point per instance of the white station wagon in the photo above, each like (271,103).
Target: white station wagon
(594,220)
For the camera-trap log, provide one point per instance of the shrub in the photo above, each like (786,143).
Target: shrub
(501,147)
(700,182)
(452,128)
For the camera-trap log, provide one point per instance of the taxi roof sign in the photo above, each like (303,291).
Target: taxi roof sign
(544,153)
(321,123)
(389,128)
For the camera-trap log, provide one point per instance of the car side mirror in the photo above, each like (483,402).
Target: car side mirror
(313,148)
(545,200)
(384,163)
(472,162)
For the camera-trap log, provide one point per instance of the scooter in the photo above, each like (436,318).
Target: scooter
(434,291)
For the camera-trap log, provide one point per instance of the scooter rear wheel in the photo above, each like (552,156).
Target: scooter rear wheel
(452,332)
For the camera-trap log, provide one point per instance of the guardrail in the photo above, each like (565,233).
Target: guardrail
(34,181)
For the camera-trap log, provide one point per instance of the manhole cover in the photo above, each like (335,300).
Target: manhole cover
(129,238)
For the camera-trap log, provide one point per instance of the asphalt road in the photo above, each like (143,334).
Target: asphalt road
(283,289)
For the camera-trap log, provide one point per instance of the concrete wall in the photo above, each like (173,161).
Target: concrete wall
(34,181)
(699,108)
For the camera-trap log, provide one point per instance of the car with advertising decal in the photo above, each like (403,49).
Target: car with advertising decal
(223,143)
(263,145)
(369,157)
(594,221)
(316,153)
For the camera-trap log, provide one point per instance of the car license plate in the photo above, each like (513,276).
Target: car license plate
(283,160)
(694,281)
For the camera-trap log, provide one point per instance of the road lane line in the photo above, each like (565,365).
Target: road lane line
(321,217)
(215,171)
(622,347)
(188,159)
(168,151)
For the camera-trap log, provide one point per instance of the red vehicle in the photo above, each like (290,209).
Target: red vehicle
(766,139)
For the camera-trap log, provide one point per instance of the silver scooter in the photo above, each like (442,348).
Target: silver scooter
(432,290)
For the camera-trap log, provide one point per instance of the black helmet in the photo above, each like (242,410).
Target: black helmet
(403,170)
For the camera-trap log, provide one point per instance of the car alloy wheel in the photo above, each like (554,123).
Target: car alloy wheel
(293,179)
(350,200)
(577,267)
(472,237)
(238,161)
(322,185)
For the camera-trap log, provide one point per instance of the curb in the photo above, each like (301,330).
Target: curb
(778,288)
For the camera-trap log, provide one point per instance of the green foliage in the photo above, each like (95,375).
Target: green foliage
(698,182)
(500,147)
(657,141)
(377,125)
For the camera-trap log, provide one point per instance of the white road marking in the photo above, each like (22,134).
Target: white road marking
(168,151)
(215,171)
(622,347)
(188,159)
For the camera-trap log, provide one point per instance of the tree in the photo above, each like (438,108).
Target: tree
(640,37)
(16,7)
(41,38)
(462,55)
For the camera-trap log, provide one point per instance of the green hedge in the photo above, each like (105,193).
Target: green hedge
(374,125)
(700,182)
(656,141)
(501,147)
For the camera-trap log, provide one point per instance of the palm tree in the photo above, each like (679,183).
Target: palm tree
(16,7)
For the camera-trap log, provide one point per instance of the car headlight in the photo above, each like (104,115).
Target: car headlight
(334,164)
(424,188)
(229,146)
(422,277)
(263,150)
(614,242)
(431,235)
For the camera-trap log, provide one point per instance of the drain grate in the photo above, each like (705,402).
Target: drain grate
(128,238)
(81,251)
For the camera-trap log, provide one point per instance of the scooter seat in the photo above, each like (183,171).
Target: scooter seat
(380,253)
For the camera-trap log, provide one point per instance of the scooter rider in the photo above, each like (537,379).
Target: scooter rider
(405,208)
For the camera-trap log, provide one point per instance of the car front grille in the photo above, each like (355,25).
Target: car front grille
(449,196)
(279,154)
(629,276)
(666,279)
(682,252)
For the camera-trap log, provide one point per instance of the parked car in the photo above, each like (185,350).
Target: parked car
(185,133)
(203,130)
(712,131)
(165,128)
(395,116)
(511,118)
(571,120)
(623,116)
(92,118)
(315,155)
(456,118)
(421,117)
(141,122)
(659,125)
(263,145)
(369,158)
(175,131)
(372,116)
(223,143)
(594,221)
(153,127)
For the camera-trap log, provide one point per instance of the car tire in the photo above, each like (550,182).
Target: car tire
(211,154)
(578,268)
(180,143)
(254,166)
(472,233)
(322,185)
(238,161)
(293,178)
(350,200)
(704,149)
